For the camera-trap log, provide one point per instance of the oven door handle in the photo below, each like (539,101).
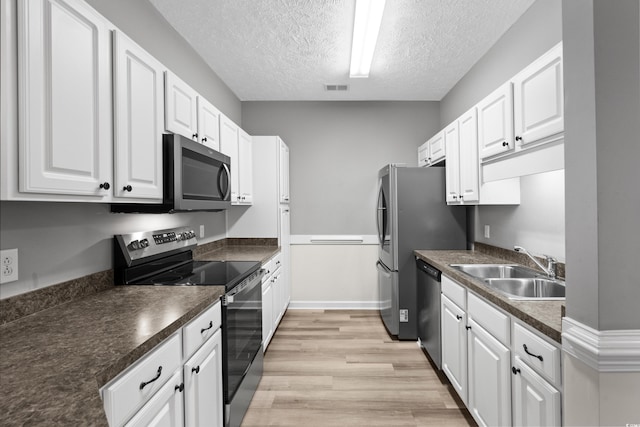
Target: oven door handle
(248,284)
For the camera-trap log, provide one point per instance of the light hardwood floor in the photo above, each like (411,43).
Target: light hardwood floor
(340,368)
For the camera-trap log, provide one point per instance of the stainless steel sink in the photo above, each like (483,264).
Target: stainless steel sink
(515,281)
(531,288)
(497,271)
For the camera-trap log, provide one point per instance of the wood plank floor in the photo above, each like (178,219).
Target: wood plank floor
(340,368)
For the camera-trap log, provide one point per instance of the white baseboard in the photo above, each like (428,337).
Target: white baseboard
(334,305)
(603,351)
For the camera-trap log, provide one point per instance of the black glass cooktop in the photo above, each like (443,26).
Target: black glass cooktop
(204,273)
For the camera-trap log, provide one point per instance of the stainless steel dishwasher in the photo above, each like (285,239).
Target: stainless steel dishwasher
(429,287)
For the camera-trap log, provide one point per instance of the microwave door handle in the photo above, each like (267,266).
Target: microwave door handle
(224,192)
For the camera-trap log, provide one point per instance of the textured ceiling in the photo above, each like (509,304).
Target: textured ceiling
(289,49)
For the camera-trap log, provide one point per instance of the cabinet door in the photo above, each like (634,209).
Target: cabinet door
(138,120)
(454,346)
(181,107)
(285,245)
(423,154)
(469,163)
(208,124)
(453,163)
(495,122)
(267,314)
(203,385)
(535,401)
(165,409)
(489,378)
(229,146)
(437,148)
(283,172)
(245,161)
(539,98)
(64,99)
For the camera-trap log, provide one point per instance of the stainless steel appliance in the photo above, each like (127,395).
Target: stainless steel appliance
(195,178)
(429,288)
(411,214)
(164,257)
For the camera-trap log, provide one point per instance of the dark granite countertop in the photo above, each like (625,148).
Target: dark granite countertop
(545,316)
(55,356)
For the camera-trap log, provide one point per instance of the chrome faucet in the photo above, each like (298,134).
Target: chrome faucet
(552,263)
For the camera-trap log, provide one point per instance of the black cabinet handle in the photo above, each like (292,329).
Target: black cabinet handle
(105,186)
(127,188)
(142,384)
(518,138)
(179,387)
(468,327)
(515,370)
(208,327)
(458,317)
(531,354)
(204,139)
(196,369)
(194,136)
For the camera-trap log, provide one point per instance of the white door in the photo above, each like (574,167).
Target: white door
(283,172)
(539,98)
(181,107)
(64,99)
(437,148)
(165,408)
(495,122)
(203,385)
(245,174)
(489,381)
(139,120)
(469,163)
(535,401)
(229,146)
(452,172)
(454,346)
(208,124)
(267,313)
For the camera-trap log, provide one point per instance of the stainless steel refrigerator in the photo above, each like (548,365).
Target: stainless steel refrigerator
(411,213)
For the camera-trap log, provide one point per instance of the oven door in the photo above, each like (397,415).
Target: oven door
(242,331)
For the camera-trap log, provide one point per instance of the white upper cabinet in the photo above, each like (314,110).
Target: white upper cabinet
(283,171)
(453,163)
(495,122)
(181,107)
(138,120)
(469,163)
(432,151)
(539,98)
(64,99)
(229,146)
(208,124)
(245,174)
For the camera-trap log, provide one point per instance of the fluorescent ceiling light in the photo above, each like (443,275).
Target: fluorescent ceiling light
(366,26)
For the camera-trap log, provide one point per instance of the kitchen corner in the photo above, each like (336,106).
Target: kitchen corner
(65,342)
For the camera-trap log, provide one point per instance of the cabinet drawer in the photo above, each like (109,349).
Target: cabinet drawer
(490,318)
(454,292)
(268,269)
(196,332)
(549,366)
(124,395)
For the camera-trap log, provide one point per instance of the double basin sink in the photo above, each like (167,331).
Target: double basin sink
(515,281)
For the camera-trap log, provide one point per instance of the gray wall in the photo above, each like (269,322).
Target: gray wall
(602,45)
(146,26)
(62,241)
(336,150)
(538,230)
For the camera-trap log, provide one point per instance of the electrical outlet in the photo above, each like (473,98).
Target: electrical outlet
(487,232)
(9,268)
(202,231)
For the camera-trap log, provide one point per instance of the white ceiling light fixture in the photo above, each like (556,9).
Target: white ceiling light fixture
(366,26)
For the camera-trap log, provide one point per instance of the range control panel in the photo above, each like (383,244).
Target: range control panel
(136,246)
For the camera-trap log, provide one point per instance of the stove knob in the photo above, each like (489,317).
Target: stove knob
(144,243)
(134,245)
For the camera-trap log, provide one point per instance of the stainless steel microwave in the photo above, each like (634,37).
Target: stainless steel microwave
(195,178)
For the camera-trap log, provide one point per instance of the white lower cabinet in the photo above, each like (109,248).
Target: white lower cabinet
(504,371)
(489,378)
(274,298)
(165,408)
(203,385)
(163,388)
